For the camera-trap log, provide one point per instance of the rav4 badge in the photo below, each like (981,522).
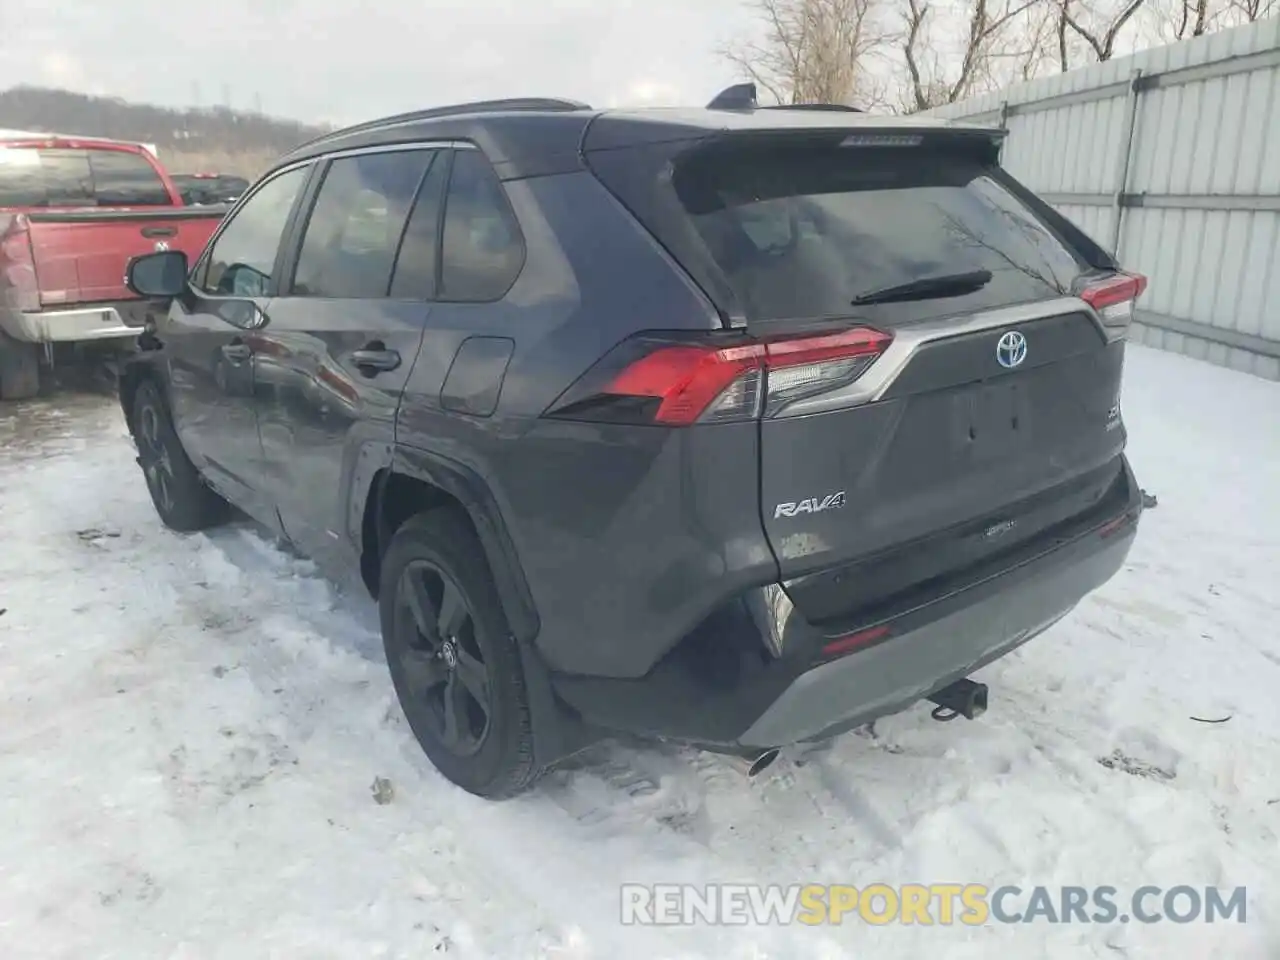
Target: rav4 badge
(832,501)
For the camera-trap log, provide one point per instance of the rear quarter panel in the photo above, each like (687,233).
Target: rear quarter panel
(628,536)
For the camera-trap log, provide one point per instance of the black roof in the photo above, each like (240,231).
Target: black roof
(536,136)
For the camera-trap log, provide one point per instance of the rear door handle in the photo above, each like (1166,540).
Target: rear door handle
(370,362)
(237,351)
(150,232)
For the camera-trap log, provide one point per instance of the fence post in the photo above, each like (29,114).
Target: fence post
(1124,158)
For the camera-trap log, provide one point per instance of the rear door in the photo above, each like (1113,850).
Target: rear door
(343,337)
(981,404)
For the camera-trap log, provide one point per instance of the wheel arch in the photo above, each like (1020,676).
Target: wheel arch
(411,481)
(414,481)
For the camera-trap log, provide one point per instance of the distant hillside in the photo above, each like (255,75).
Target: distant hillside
(189,141)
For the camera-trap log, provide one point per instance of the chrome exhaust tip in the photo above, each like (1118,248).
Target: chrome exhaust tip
(751,765)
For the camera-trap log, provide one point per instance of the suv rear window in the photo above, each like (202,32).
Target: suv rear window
(797,231)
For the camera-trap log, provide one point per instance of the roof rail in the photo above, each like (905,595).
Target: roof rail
(510,105)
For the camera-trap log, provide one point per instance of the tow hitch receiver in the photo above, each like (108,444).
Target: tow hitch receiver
(964,698)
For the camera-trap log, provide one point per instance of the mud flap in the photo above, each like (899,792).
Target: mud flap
(558,731)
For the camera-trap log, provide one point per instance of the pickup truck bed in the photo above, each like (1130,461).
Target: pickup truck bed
(73,212)
(77,262)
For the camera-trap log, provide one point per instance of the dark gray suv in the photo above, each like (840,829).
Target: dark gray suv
(739,427)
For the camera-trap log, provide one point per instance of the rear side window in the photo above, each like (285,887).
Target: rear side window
(798,231)
(32,177)
(355,227)
(482,251)
(122,179)
(419,258)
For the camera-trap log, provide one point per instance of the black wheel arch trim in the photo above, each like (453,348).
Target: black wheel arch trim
(467,487)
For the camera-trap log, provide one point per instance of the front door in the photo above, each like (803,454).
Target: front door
(211,342)
(346,336)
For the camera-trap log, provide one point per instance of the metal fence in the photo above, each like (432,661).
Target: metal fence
(1171,158)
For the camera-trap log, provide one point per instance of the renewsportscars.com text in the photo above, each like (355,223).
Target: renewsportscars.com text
(942,904)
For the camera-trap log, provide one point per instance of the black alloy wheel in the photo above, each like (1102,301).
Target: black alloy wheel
(443,664)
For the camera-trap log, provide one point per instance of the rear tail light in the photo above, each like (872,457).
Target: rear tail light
(1112,299)
(21,289)
(676,383)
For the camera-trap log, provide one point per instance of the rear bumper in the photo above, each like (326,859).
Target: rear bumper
(895,674)
(105,321)
(719,690)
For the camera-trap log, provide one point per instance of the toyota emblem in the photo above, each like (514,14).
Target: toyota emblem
(1011,350)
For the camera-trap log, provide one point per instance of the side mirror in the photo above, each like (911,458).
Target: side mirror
(156,275)
(241,313)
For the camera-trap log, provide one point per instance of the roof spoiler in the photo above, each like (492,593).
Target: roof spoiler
(742,96)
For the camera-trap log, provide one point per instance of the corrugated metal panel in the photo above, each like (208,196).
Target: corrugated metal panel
(1200,194)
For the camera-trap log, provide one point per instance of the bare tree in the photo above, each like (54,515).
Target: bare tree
(1060,31)
(812,51)
(1032,46)
(935,79)
(1098,31)
(1254,10)
(1180,19)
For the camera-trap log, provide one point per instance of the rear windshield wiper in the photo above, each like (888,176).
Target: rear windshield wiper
(925,288)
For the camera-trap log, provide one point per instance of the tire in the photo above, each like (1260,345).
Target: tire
(437,559)
(19,369)
(182,499)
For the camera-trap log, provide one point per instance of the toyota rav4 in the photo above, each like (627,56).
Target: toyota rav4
(736,426)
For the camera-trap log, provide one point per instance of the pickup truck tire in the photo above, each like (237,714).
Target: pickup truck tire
(446,635)
(185,503)
(19,369)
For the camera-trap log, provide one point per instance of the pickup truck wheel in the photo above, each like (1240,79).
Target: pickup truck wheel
(19,369)
(181,498)
(453,661)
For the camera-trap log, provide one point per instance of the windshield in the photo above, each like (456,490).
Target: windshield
(803,232)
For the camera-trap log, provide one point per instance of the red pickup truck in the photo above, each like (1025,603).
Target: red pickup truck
(72,214)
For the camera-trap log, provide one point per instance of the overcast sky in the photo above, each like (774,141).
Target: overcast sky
(344,60)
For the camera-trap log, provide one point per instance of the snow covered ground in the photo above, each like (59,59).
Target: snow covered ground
(190,727)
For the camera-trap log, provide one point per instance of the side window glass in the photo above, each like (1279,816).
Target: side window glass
(415,274)
(483,250)
(122,179)
(354,230)
(31,177)
(242,258)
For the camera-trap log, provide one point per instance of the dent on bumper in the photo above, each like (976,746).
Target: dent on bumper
(891,676)
(66,326)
